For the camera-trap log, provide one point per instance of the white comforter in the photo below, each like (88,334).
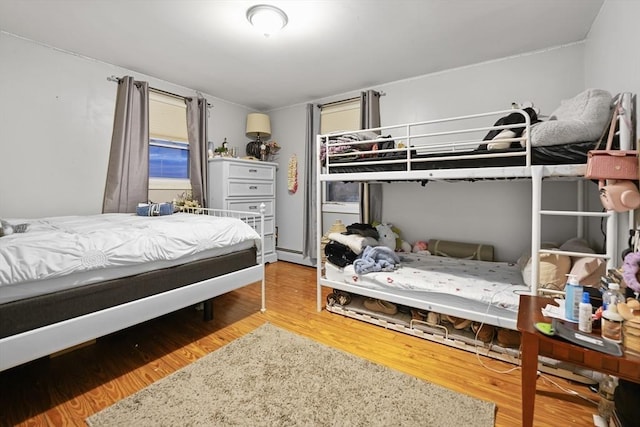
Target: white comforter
(59,246)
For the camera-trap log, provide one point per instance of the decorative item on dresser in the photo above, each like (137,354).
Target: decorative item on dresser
(242,185)
(258,127)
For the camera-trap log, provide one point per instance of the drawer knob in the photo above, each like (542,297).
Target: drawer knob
(253,170)
(253,187)
(254,207)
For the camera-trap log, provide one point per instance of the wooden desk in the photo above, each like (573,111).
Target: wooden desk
(535,343)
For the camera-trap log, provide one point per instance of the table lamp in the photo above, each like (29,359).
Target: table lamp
(258,127)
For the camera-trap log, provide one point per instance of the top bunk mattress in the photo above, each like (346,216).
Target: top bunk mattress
(516,141)
(563,154)
(62,252)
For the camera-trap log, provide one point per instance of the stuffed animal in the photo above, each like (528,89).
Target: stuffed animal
(512,119)
(389,236)
(420,246)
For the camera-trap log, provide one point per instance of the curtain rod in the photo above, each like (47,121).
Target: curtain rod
(345,100)
(164,92)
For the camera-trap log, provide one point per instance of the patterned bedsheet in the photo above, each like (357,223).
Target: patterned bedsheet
(492,283)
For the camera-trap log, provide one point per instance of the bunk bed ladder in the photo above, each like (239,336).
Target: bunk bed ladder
(537,174)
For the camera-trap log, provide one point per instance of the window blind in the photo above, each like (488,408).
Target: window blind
(167,117)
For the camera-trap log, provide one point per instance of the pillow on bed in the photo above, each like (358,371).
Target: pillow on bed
(553,271)
(577,244)
(579,119)
(587,270)
(6,228)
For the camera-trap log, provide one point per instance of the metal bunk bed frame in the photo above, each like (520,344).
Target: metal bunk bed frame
(412,134)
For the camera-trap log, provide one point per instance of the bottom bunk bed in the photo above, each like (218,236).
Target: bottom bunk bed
(480,291)
(68,280)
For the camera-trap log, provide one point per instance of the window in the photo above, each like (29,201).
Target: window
(168,145)
(168,159)
(343,197)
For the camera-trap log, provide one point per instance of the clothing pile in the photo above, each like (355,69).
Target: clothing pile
(359,246)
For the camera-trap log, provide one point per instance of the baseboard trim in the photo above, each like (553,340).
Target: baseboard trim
(294,257)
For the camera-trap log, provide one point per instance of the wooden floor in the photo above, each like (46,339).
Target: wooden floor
(68,388)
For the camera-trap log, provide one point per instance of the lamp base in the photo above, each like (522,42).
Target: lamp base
(253,149)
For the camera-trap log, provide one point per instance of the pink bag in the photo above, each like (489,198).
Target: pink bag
(619,196)
(612,164)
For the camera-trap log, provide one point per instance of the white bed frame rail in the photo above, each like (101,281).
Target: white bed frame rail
(40,342)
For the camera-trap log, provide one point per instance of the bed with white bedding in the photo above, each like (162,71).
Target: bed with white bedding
(66,280)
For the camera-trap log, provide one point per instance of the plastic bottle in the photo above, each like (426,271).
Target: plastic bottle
(612,324)
(585,313)
(606,391)
(612,294)
(573,296)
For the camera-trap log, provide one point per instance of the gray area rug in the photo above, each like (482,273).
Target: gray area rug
(271,377)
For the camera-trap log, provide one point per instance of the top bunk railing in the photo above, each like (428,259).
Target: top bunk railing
(409,141)
(455,147)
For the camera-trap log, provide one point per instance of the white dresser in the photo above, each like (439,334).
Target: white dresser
(242,185)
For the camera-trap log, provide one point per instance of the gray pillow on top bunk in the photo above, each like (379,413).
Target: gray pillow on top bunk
(579,119)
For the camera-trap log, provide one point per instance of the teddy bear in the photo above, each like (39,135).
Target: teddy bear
(389,236)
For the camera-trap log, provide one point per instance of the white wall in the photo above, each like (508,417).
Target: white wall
(288,127)
(442,210)
(482,212)
(612,61)
(56,118)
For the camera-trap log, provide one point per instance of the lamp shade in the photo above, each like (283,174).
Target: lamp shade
(258,125)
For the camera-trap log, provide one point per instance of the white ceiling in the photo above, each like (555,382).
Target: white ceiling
(329,47)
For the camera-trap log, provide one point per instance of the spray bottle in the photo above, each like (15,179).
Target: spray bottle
(573,296)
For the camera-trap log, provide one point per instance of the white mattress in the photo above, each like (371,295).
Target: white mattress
(490,283)
(62,252)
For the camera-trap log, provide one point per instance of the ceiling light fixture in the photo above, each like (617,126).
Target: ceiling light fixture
(267,19)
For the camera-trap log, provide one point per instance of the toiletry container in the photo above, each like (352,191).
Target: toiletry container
(573,296)
(612,294)
(585,313)
(612,324)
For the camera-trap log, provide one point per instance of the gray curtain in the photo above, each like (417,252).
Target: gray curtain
(370,193)
(128,170)
(198,134)
(309,249)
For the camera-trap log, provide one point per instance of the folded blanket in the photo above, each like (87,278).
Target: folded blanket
(355,242)
(376,258)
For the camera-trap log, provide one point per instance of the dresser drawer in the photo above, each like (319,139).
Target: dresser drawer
(249,189)
(251,206)
(245,171)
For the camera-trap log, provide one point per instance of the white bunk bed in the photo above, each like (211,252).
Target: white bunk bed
(211,253)
(448,149)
